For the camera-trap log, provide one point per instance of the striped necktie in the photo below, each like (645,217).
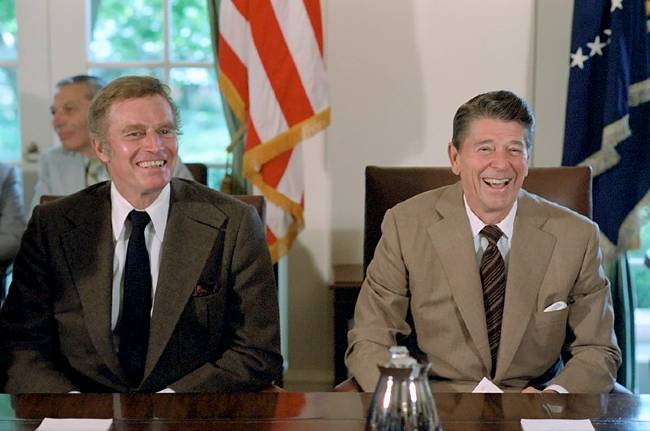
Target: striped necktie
(493,279)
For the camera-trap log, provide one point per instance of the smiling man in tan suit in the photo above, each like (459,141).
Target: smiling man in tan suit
(143,283)
(500,283)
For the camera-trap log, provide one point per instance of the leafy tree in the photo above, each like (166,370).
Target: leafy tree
(8,30)
(190,31)
(127,31)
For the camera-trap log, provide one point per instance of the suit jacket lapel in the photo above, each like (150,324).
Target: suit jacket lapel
(529,257)
(451,237)
(193,230)
(88,249)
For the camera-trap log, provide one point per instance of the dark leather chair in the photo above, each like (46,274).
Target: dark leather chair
(48,198)
(199,171)
(388,186)
(258,201)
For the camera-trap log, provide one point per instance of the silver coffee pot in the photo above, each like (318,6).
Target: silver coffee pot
(402,400)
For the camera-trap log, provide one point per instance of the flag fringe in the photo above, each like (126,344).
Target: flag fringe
(278,198)
(639,93)
(233,98)
(628,233)
(282,245)
(262,153)
(618,131)
(272,148)
(607,157)
(255,157)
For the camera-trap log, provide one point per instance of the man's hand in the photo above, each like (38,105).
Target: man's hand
(530,390)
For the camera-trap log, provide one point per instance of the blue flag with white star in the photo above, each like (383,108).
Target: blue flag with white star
(608,111)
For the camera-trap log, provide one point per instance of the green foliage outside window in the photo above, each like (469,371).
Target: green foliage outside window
(126,31)
(8,30)
(205,135)
(9,117)
(190,32)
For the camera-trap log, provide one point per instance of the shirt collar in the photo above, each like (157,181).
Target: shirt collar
(506,225)
(158,212)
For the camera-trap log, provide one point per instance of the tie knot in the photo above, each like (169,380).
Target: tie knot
(492,233)
(139,219)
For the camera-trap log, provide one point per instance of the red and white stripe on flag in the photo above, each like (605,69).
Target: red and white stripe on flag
(272,75)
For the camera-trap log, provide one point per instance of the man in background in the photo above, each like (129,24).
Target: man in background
(12,211)
(63,170)
(502,284)
(12,218)
(145,282)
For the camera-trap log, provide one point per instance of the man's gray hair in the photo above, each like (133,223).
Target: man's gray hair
(92,83)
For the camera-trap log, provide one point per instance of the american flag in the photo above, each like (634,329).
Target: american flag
(272,75)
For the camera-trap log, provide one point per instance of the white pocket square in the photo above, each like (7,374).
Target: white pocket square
(556,306)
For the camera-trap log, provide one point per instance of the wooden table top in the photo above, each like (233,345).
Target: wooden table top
(315,411)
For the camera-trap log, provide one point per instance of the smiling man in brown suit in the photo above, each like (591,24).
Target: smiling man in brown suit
(500,283)
(144,283)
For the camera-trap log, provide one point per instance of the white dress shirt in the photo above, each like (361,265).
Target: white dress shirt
(480,244)
(154,235)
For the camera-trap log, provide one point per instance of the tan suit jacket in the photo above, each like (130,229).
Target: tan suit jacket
(425,263)
(214,325)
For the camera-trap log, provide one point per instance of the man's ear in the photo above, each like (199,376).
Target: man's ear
(528,148)
(453,158)
(99,149)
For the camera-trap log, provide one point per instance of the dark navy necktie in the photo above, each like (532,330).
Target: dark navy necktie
(493,278)
(136,301)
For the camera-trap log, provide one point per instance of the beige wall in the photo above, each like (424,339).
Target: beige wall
(397,72)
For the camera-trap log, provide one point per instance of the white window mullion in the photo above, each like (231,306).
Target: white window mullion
(166,32)
(34,77)
(149,64)
(68,38)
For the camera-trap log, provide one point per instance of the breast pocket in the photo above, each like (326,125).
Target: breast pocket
(209,311)
(548,329)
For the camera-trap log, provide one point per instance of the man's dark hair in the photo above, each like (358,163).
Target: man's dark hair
(92,83)
(499,105)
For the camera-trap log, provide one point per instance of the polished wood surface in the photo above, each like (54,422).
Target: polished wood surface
(315,411)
